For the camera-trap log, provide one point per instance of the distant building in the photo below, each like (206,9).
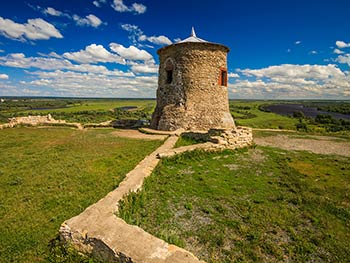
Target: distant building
(2,100)
(192,86)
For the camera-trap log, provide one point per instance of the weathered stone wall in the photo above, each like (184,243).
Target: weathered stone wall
(38,120)
(32,120)
(194,100)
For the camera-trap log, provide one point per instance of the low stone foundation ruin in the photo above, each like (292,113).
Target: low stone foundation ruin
(37,120)
(224,138)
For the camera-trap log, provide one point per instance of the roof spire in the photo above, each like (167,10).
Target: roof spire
(193,34)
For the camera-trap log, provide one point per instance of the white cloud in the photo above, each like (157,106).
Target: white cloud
(132,53)
(119,6)
(19,60)
(136,35)
(4,76)
(70,83)
(159,40)
(338,51)
(98,3)
(342,44)
(89,20)
(93,54)
(293,71)
(343,59)
(297,42)
(52,11)
(136,8)
(233,75)
(313,52)
(145,68)
(290,81)
(34,29)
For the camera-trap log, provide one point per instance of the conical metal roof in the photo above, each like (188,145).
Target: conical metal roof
(193,38)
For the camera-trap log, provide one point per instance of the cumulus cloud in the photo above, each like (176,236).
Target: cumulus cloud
(137,35)
(297,42)
(293,71)
(132,53)
(70,83)
(19,60)
(233,75)
(4,76)
(52,11)
(342,44)
(34,29)
(158,40)
(93,54)
(98,3)
(145,68)
(313,52)
(136,8)
(338,51)
(89,20)
(343,59)
(290,81)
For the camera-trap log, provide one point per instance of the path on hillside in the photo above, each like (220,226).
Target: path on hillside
(98,230)
(136,134)
(316,144)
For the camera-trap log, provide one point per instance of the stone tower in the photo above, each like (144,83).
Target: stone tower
(192,86)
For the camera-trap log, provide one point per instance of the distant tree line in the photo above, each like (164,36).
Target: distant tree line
(324,120)
(334,106)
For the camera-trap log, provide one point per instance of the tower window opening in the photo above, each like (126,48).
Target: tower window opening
(223,77)
(169,76)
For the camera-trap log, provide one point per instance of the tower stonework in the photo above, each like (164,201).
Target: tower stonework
(192,87)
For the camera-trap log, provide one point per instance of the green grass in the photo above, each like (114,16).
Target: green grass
(102,105)
(79,110)
(255,118)
(252,205)
(187,140)
(48,175)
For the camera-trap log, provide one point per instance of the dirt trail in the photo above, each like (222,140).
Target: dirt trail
(135,134)
(316,144)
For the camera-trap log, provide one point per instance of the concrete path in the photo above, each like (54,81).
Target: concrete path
(98,231)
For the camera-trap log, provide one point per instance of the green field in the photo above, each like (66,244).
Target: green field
(247,113)
(78,110)
(48,175)
(252,205)
(259,204)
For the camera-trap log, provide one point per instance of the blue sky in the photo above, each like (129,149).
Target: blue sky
(107,48)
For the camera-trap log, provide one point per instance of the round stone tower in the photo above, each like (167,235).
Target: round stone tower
(192,87)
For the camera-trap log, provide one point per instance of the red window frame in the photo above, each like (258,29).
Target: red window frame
(223,77)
